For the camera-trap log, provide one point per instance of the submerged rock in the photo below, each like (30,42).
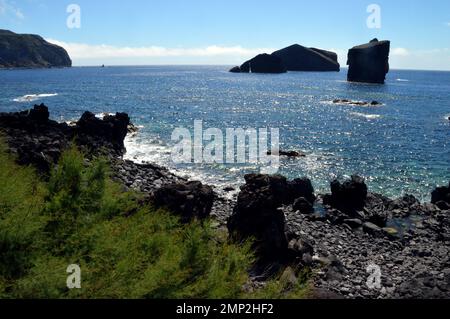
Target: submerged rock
(300,58)
(356,103)
(287,153)
(369,62)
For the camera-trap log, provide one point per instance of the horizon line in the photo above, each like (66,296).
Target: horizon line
(231,65)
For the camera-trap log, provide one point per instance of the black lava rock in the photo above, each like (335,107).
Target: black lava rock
(190,200)
(369,62)
(300,58)
(263,63)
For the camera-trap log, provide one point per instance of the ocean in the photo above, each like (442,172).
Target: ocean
(400,147)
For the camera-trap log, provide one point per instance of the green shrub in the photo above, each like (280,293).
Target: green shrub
(21,225)
(125,249)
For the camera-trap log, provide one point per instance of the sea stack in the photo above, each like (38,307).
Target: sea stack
(263,63)
(30,51)
(369,62)
(300,58)
(292,58)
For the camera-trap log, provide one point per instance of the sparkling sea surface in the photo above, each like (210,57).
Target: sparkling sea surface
(402,146)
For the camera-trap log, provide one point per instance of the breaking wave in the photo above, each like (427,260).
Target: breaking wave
(33,97)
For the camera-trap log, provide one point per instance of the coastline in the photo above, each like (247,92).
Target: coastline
(413,258)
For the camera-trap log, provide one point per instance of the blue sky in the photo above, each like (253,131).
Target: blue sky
(228,31)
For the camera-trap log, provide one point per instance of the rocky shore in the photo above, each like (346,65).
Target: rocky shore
(344,237)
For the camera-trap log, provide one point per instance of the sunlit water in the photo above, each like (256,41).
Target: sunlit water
(399,147)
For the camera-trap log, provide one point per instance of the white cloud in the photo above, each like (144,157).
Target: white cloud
(7,8)
(402,52)
(86,51)
(431,59)
(85,54)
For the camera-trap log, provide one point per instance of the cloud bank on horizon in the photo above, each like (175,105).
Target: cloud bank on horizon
(85,55)
(146,32)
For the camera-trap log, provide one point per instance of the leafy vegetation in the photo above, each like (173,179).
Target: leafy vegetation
(125,249)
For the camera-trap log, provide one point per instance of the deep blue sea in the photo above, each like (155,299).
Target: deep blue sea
(400,147)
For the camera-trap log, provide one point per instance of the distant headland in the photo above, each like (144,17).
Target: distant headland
(30,51)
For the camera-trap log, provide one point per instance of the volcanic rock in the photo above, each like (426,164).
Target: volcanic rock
(300,58)
(30,51)
(369,62)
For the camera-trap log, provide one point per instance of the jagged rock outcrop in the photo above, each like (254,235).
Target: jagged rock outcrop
(39,141)
(300,58)
(30,51)
(263,63)
(369,62)
(112,128)
(257,215)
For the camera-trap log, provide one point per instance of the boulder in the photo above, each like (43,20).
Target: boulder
(349,195)
(351,200)
(372,229)
(299,187)
(257,214)
(375,209)
(441,196)
(190,200)
(353,223)
(300,58)
(263,63)
(303,206)
(300,247)
(369,62)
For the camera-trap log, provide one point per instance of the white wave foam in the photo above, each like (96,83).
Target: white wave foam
(140,151)
(33,97)
(367,116)
(102,115)
(401,80)
(157,152)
